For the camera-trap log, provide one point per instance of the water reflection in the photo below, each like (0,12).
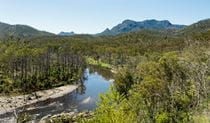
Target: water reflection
(105,72)
(94,82)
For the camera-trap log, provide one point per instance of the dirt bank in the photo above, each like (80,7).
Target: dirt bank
(10,103)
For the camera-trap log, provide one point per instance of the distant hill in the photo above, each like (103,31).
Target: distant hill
(66,33)
(199,27)
(132,26)
(20,31)
(163,27)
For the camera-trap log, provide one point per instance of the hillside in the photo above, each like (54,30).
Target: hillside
(198,27)
(7,30)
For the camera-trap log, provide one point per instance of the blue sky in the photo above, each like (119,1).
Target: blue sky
(93,16)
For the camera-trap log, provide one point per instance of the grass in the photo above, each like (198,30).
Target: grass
(92,61)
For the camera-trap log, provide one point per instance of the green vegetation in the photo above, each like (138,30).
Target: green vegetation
(165,89)
(92,61)
(24,118)
(164,86)
(27,68)
(10,32)
(162,75)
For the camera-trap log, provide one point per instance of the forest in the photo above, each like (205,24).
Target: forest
(161,76)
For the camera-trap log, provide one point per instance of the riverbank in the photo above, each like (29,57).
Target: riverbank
(92,61)
(71,117)
(10,103)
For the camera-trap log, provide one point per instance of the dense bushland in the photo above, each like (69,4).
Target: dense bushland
(161,77)
(163,85)
(167,88)
(27,68)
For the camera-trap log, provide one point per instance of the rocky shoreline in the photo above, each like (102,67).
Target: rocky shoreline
(71,117)
(9,103)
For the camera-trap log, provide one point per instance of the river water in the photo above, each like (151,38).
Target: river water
(97,81)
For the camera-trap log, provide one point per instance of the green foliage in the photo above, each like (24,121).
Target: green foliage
(162,118)
(162,76)
(169,88)
(112,109)
(61,119)
(27,68)
(123,81)
(163,90)
(24,118)
(91,61)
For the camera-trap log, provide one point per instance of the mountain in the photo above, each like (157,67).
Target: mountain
(20,31)
(66,33)
(132,26)
(199,27)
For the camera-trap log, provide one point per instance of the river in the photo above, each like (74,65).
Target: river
(96,82)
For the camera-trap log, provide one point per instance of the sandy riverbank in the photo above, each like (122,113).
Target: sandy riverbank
(9,104)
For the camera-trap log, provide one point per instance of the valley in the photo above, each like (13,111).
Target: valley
(149,71)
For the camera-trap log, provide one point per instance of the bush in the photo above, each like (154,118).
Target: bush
(112,108)
(168,89)
(123,81)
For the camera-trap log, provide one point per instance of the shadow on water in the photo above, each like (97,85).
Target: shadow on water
(105,72)
(96,80)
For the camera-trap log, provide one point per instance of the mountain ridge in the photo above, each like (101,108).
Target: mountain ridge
(127,26)
(131,26)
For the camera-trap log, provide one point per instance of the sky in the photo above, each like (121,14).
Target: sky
(94,16)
